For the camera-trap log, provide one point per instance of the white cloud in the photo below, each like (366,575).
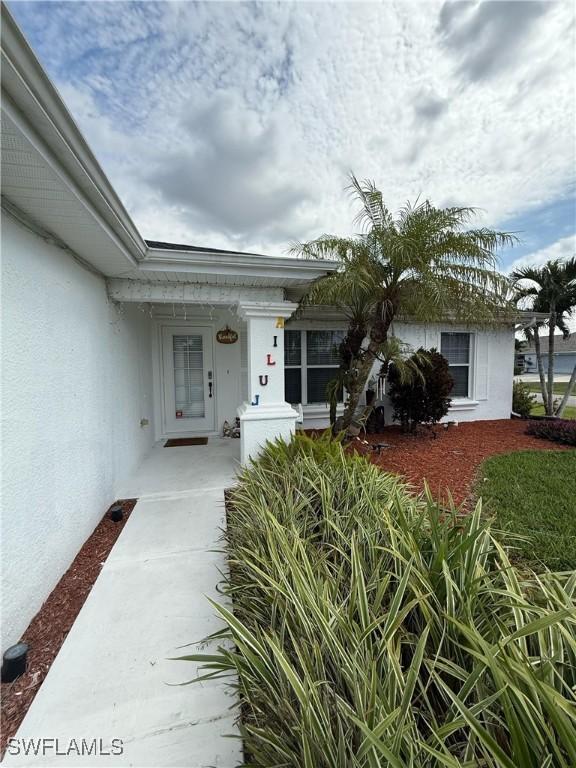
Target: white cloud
(565,248)
(235,124)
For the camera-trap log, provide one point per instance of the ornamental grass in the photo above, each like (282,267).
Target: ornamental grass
(374,628)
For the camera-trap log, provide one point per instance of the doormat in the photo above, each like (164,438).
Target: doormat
(174,443)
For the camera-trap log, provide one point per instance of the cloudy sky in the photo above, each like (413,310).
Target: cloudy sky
(236,124)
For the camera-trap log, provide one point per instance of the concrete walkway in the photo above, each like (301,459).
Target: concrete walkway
(112,678)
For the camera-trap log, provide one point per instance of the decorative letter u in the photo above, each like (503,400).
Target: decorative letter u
(263,380)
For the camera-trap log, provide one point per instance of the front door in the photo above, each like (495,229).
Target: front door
(188,379)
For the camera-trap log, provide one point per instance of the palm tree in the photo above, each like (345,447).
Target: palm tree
(422,263)
(552,290)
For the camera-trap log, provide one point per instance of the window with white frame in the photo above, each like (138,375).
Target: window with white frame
(311,360)
(456,348)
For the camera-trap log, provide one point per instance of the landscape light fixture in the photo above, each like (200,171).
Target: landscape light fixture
(14,662)
(116,513)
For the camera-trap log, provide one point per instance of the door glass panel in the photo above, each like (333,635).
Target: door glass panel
(188,376)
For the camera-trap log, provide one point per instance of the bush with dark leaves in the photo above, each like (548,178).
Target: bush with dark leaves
(558,430)
(425,397)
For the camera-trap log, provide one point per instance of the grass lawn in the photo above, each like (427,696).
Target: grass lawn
(532,494)
(569,411)
(559,387)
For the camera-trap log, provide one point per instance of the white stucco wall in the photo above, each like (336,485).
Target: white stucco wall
(491,370)
(76,381)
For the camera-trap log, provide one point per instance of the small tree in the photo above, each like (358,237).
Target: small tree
(550,289)
(522,399)
(424,398)
(424,263)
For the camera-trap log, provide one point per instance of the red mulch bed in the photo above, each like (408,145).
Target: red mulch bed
(48,629)
(449,462)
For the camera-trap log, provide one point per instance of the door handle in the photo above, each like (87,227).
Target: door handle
(210,389)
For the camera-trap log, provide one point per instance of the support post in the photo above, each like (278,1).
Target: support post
(266,415)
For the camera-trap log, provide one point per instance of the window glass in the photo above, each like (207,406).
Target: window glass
(456,347)
(318,379)
(292,348)
(460,375)
(311,361)
(293,385)
(322,347)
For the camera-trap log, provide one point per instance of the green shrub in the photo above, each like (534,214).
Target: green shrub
(424,398)
(372,628)
(557,430)
(522,399)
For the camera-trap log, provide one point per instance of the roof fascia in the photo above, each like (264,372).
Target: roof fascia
(32,93)
(207,262)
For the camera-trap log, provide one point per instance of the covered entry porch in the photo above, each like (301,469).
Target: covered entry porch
(217,357)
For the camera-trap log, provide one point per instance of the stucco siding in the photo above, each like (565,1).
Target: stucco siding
(76,381)
(491,374)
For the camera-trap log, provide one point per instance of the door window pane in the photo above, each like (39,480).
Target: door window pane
(188,376)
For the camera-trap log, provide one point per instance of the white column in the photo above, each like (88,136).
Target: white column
(266,415)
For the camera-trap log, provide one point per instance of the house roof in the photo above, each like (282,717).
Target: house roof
(158,244)
(52,183)
(561,345)
(49,173)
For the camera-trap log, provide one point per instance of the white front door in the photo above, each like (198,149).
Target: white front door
(189,394)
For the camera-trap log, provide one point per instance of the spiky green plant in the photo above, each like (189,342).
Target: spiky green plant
(372,628)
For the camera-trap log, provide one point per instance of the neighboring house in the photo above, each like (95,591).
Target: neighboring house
(564,355)
(111,343)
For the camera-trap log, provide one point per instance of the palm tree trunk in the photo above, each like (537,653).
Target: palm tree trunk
(357,383)
(543,386)
(569,389)
(552,328)
(364,362)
